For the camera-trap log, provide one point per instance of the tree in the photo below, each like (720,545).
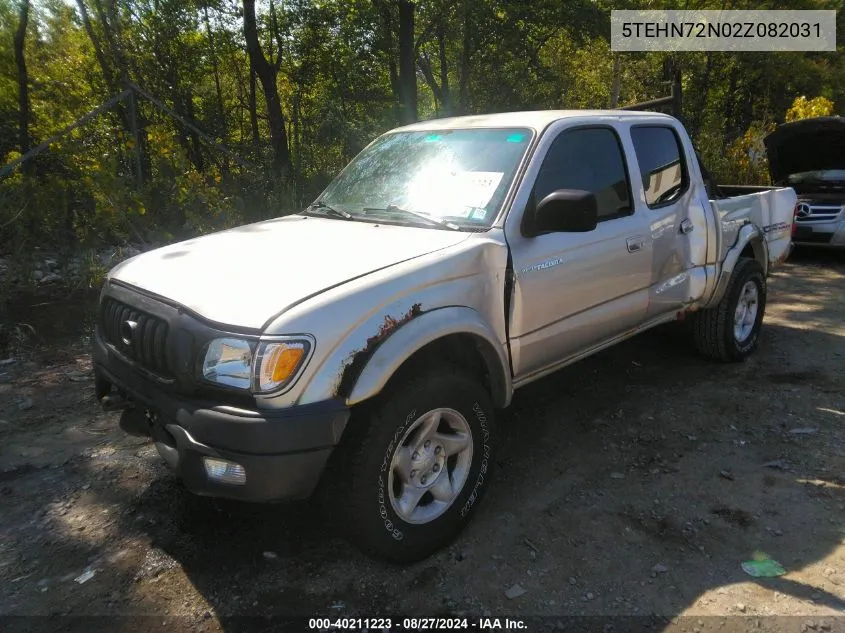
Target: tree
(23,77)
(267,73)
(407,63)
(305,84)
(803,108)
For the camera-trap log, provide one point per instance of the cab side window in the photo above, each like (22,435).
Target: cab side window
(661,164)
(590,159)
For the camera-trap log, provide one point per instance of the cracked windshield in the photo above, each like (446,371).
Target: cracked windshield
(453,177)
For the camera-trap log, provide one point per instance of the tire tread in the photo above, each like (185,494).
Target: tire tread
(711,327)
(361,438)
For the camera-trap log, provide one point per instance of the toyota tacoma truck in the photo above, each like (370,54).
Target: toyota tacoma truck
(357,352)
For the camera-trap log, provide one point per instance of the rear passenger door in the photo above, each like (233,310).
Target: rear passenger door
(675,213)
(575,290)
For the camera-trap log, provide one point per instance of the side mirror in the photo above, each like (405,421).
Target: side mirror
(566,211)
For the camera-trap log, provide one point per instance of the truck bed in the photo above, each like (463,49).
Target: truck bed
(769,209)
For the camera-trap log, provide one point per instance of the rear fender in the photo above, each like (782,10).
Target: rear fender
(750,242)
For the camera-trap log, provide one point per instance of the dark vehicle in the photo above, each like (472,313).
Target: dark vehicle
(809,156)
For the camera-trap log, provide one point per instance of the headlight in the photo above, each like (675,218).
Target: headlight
(261,366)
(228,361)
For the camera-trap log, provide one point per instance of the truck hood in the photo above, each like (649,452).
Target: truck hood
(806,145)
(245,276)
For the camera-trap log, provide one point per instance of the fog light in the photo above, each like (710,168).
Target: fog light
(224,472)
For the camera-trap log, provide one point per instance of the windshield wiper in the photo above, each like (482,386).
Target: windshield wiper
(322,206)
(392,208)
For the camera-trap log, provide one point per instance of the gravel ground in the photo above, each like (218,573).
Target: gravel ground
(631,484)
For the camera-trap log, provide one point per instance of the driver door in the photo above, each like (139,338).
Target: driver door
(572,291)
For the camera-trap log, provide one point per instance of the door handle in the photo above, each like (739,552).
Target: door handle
(634,244)
(687,226)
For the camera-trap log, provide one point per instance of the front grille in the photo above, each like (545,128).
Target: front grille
(819,212)
(148,338)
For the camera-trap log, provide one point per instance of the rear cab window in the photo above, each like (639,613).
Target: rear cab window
(660,158)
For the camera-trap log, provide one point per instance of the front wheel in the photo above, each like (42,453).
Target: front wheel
(417,464)
(730,331)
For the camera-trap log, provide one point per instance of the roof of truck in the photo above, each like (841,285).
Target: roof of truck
(536,119)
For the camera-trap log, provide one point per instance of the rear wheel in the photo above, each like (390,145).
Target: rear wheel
(416,464)
(730,331)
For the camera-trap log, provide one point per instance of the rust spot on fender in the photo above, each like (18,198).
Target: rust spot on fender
(355,362)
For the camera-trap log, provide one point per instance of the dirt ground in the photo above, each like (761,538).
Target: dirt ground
(634,484)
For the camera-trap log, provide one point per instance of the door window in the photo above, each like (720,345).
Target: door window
(663,170)
(589,159)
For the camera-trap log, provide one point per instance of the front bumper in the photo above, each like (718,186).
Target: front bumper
(825,234)
(282,451)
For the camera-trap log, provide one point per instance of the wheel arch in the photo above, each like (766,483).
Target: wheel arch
(750,244)
(455,334)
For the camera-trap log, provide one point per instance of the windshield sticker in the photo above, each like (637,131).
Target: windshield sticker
(515,138)
(442,192)
(477,187)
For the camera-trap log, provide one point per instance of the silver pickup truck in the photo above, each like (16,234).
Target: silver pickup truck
(360,349)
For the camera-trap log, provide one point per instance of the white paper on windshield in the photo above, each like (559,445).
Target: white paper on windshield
(463,194)
(476,188)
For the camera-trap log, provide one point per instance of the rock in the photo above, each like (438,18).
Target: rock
(726,474)
(155,563)
(26,404)
(741,607)
(778,464)
(51,278)
(660,568)
(803,431)
(8,361)
(37,275)
(270,555)
(572,580)
(617,476)
(515,592)
(50,263)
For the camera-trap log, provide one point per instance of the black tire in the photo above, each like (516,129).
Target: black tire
(713,328)
(361,475)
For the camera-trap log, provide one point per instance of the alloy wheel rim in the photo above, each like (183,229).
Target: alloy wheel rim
(745,315)
(430,466)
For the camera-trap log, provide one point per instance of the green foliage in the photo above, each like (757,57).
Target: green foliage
(337,66)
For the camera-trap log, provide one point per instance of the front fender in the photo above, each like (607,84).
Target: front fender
(385,360)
